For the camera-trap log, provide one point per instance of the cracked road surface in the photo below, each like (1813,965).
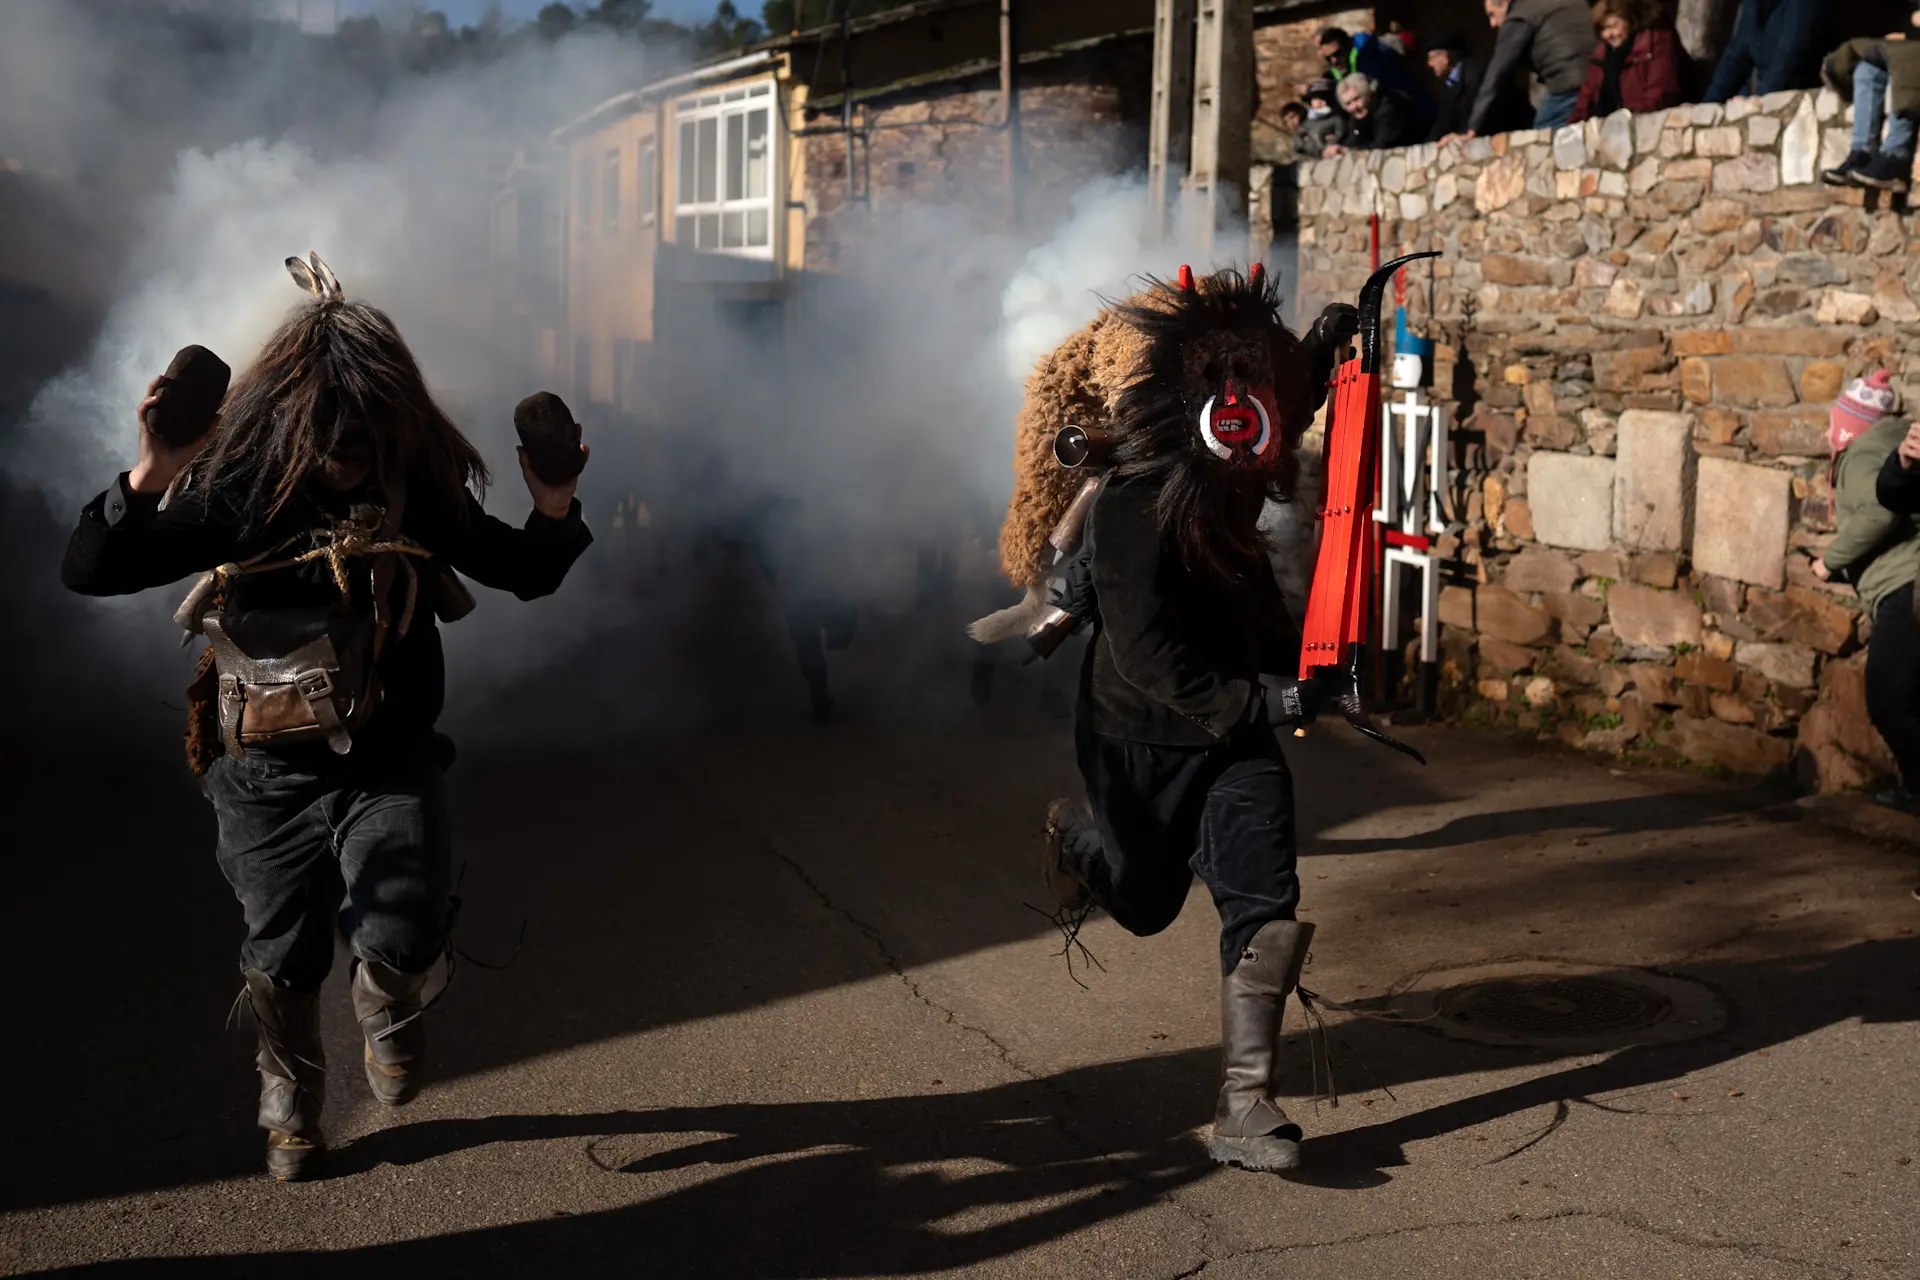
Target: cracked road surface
(784,1010)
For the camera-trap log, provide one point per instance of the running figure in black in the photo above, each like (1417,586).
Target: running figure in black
(326,510)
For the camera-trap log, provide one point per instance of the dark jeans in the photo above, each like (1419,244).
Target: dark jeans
(1556,109)
(1165,814)
(310,838)
(1893,681)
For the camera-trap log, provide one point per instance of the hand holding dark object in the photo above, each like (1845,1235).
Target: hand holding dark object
(551,455)
(1296,702)
(1071,603)
(188,396)
(1336,327)
(549,437)
(160,459)
(1325,338)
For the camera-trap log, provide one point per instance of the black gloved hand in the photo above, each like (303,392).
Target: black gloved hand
(1336,326)
(1296,702)
(1070,590)
(1070,586)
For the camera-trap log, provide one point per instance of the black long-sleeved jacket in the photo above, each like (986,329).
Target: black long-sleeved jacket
(1898,487)
(125,543)
(1177,658)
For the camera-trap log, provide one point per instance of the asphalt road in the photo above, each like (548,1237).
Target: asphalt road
(784,1010)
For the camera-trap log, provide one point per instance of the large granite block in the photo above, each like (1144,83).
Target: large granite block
(1652,479)
(1572,500)
(1741,519)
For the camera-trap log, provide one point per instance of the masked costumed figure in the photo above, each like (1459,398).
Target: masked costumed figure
(326,510)
(1195,396)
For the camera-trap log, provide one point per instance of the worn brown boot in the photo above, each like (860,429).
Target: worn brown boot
(1249,1128)
(387,1002)
(1064,881)
(293,1076)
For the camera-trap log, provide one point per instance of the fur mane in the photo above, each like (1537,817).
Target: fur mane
(1126,372)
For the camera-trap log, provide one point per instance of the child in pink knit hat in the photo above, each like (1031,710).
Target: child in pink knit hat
(1877,551)
(1864,402)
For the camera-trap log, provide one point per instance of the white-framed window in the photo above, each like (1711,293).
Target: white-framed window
(646,164)
(723,200)
(610,190)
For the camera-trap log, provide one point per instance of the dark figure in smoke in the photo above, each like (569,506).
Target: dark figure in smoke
(328,510)
(1206,395)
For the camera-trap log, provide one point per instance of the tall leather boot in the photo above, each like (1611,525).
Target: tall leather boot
(387,1002)
(1249,1128)
(293,1076)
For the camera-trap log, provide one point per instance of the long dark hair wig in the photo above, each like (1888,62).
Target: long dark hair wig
(1209,508)
(333,368)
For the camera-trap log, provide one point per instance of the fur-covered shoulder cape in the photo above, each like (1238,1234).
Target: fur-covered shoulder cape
(1077,384)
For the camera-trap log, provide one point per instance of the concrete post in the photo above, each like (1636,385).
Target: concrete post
(1170,136)
(1222,113)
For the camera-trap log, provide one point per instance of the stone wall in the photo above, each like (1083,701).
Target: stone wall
(1642,323)
(1082,118)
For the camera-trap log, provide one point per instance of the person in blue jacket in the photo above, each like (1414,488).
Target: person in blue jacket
(1364,53)
(1776,44)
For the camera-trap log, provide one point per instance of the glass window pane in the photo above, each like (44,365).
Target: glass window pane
(733,230)
(736,156)
(685,193)
(734,95)
(757,154)
(709,231)
(757,221)
(683,230)
(708,187)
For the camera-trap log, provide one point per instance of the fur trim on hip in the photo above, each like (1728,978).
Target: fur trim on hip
(1010,623)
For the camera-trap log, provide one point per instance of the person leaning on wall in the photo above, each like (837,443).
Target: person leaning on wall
(1552,37)
(1881,77)
(1775,45)
(1380,118)
(1637,65)
(1877,550)
(1327,126)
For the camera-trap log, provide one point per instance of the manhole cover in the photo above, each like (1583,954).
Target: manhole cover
(1563,1005)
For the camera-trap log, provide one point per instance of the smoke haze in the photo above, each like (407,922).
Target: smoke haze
(877,432)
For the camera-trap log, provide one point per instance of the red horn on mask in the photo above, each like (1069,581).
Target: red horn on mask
(1186,278)
(1258,276)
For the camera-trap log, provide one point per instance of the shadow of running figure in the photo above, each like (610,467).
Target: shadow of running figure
(852,1187)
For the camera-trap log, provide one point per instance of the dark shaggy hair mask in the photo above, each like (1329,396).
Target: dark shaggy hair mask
(336,393)
(1214,414)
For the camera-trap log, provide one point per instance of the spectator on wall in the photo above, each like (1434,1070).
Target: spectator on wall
(1637,64)
(1775,45)
(1327,125)
(1555,39)
(1882,78)
(1381,117)
(1459,74)
(1878,551)
(1365,54)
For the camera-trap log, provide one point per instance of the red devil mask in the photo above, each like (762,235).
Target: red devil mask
(1229,375)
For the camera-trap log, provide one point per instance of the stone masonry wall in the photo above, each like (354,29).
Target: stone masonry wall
(1082,118)
(1642,324)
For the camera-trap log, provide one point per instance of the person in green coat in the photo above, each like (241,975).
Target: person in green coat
(1878,552)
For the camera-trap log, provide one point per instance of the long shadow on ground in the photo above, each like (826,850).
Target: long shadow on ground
(845,1188)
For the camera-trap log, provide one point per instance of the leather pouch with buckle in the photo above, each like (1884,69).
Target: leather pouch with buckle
(293,676)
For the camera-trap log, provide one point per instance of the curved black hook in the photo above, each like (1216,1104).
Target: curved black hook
(1370,295)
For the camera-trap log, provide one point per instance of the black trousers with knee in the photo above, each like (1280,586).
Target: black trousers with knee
(1893,681)
(1162,815)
